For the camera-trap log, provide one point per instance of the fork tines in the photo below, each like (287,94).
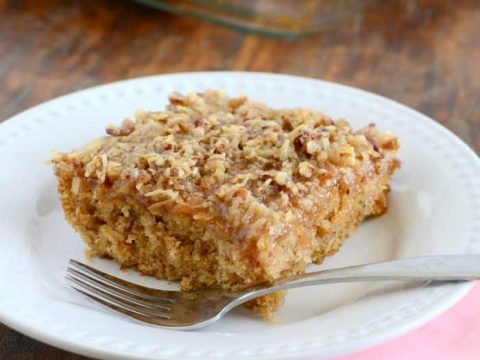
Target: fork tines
(139,302)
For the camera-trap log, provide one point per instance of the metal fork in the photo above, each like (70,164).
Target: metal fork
(193,310)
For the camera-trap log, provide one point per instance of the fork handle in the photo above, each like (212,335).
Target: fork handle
(436,268)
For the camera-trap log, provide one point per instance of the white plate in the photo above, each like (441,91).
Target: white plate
(434,209)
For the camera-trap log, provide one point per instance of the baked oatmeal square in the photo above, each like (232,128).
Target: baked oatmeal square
(225,192)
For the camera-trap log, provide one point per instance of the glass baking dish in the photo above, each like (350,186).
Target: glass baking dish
(281,18)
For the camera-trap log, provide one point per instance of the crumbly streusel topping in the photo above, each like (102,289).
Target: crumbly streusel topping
(207,144)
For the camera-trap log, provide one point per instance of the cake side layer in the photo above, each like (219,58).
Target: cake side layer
(125,230)
(208,247)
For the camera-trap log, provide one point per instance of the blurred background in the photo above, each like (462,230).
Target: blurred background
(423,53)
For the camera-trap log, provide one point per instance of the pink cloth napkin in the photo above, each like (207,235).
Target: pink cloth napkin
(454,335)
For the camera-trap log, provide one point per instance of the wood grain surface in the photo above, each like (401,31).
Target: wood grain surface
(423,53)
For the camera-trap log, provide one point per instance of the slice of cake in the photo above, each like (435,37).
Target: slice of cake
(225,192)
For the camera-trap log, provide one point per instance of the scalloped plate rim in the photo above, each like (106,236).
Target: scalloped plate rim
(447,299)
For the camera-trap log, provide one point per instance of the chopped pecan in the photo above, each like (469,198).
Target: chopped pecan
(128,126)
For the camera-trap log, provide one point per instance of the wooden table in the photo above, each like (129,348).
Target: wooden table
(423,53)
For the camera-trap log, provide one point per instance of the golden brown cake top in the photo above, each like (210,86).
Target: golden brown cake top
(207,144)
